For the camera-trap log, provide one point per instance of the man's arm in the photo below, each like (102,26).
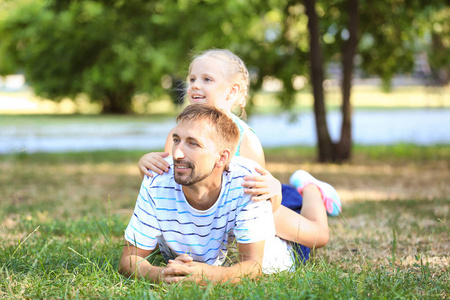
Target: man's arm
(134,263)
(250,265)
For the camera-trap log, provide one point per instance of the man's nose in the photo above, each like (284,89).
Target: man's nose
(177,152)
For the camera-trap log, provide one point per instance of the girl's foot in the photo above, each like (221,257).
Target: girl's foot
(300,179)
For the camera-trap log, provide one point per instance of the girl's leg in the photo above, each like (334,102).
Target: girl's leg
(310,227)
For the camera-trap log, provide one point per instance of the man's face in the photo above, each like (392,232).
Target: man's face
(194,152)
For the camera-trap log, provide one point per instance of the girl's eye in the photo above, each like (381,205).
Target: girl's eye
(191,80)
(207,79)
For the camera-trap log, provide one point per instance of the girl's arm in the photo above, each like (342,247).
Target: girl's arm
(154,161)
(251,148)
(265,186)
(169,142)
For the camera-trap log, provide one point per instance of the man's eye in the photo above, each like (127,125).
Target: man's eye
(175,140)
(193,144)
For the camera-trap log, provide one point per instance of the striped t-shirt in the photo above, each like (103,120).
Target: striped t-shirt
(163,217)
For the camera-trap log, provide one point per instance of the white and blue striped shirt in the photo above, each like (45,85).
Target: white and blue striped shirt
(163,217)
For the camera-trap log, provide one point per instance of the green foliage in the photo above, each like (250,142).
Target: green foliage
(393,33)
(440,43)
(106,50)
(110,51)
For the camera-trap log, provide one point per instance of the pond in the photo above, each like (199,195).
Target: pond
(370,127)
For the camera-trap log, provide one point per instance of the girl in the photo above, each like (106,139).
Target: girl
(220,78)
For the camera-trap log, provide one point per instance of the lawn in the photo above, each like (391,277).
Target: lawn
(62,218)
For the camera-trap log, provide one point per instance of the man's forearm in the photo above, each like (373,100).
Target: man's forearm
(133,265)
(234,273)
(249,265)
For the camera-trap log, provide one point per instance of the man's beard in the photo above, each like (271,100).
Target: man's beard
(193,178)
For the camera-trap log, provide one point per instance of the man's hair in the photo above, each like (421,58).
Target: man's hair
(227,131)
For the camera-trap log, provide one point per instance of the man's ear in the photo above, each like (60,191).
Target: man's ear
(224,159)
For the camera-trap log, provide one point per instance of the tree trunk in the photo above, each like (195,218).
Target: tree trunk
(117,102)
(326,147)
(344,147)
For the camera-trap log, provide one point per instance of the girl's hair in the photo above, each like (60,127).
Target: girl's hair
(237,71)
(227,131)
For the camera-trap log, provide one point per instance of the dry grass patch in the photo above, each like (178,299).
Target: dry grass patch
(366,179)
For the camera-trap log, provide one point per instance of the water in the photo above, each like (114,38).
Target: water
(415,126)
(420,127)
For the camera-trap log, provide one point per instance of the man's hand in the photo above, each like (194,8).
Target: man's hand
(183,258)
(183,268)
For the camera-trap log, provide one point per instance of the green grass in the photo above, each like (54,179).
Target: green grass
(55,119)
(397,152)
(362,98)
(62,218)
(367,97)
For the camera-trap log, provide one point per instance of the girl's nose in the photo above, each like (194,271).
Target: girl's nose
(195,85)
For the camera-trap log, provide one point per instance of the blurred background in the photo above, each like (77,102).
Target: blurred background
(101,75)
(355,92)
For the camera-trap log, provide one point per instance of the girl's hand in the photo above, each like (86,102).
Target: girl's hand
(263,187)
(153,161)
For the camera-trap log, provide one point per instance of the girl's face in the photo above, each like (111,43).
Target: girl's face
(208,83)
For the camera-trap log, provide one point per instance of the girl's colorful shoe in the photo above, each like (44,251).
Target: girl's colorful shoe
(300,179)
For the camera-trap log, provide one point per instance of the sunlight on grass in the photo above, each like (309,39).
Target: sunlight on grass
(380,181)
(366,97)
(25,102)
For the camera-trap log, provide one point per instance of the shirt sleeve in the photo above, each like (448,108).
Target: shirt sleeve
(143,229)
(254,223)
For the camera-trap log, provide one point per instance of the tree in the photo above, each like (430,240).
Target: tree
(317,78)
(290,52)
(329,151)
(107,50)
(112,50)
(393,29)
(440,45)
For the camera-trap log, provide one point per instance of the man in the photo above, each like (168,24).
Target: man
(197,213)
